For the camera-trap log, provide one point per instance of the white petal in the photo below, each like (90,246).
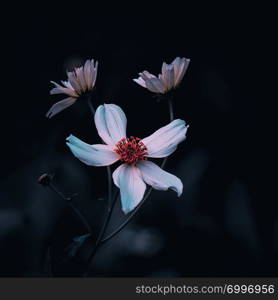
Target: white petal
(59,106)
(110,122)
(74,82)
(170,77)
(140,81)
(165,140)
(88,74)
(94,77)
(81,78)
(57,85)
(146,75)
(67,84)
(155,85)
(176,63)
(62,90)
(158,178)
(92,155)
(129,180)
(164,67)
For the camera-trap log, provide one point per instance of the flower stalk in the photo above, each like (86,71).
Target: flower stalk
(102,232)
(136,210)
(108,168)
(91,107)
(171,112)
(136,171)
(46,180)
(110,205)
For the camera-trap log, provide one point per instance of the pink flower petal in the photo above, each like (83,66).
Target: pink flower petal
(94,67)
(146,75)
(58,89)
(81,78)
(59,106)
(74,82)
(155,85)
(177,63)
(67,84)
(129,180)
(140,81)
(158,178)
(88,73)
(180,67)
(169,76)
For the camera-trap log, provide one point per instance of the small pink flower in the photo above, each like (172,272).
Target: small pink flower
(80,81)
(170,77)
(136,170)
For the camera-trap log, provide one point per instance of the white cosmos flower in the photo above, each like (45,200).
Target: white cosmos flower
(80,81)
(170,77)
(135,171)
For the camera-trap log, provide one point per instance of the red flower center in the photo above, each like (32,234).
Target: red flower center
(131,150)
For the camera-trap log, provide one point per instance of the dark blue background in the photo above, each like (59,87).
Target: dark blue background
(225,223)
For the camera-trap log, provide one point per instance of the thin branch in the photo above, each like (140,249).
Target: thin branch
(72,206)
(102,232)
(171,112)
(92,109)
(116,231)
(108,168)
(46,181)
(109,182)
(81,217)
